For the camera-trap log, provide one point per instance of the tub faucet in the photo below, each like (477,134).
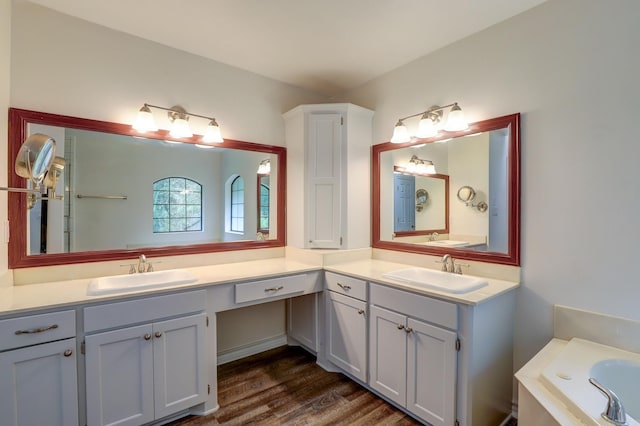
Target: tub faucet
(142,263)
(614,412)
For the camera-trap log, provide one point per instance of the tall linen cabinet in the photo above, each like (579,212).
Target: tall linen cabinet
(328,176)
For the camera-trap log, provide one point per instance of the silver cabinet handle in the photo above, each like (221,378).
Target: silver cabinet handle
(158,333)
(344,286)
(37,330)
(400,326)
(274,288)
(408,330)
(68,353)
(360,311)
(147,336)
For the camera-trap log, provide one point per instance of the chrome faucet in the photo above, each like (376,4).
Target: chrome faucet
(434,236)
(448,263)
(142,263)
(614,412)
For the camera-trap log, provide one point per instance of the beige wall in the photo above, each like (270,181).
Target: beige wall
(5,67)
(571,68)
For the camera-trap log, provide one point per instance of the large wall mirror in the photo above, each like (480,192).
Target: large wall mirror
(125,194)
(482,163)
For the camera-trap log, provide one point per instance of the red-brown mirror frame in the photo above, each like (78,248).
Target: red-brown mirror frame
(512,256)
(18,258)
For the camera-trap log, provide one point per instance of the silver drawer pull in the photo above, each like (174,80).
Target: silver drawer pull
(400,326)
(147,336)
(37,330)
(408,330)
(158,334)
(274,288)
(360,311)
(68,353)
(344,286)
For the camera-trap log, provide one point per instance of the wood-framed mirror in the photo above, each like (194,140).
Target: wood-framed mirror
(125,195)
(485,157)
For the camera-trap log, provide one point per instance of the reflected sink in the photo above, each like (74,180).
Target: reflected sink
(140,281)
(447,243)
(437,280)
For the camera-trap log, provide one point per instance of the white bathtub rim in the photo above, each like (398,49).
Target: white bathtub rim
(574,361)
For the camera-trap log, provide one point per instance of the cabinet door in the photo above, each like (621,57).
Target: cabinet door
(179,361)
(302,320)
(431,372)
(324,209)
(388,354)
(119,375)
(38,385)
(347,340)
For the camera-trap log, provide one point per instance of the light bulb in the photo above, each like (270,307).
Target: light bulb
(180,129)
(144,121)
(400,133)
(212,133)
(426,127)
(456,121)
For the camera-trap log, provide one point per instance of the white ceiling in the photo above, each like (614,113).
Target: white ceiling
(327,46)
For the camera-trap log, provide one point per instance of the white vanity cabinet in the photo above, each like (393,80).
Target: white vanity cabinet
(346,324)
(413,352)
(150,360)
(38,376)
(324,196)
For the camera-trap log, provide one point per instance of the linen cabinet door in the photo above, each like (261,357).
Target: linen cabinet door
(388,354)
(179,354)
(119,375)
(431,372)
(38,385)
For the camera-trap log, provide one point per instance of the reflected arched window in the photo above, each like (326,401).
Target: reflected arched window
(177,205)
(237,205)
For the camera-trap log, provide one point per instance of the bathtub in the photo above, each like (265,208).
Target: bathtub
(566,377)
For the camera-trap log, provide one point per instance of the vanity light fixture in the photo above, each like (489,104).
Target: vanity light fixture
(180,128)
(420,166)
(429,123)
(265,167)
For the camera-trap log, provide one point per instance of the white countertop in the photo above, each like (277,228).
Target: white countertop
(62,293)
(371,269)
(23,298)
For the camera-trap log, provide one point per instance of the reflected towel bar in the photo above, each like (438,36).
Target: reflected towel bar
(104,197)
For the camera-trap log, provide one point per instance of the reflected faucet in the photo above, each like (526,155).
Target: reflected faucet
(142,263)
(434,236)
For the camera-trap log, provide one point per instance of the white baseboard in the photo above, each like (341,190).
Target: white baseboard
(251,349)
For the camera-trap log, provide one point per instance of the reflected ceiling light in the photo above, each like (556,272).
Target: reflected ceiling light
(180,128)
(418,165)
(429,123)
(265,167)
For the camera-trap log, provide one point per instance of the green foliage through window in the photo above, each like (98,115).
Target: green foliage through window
(177,205)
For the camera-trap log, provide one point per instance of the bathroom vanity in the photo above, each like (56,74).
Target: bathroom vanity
(140,357)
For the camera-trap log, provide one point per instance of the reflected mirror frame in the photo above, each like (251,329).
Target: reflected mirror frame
(512,256)
(19,119)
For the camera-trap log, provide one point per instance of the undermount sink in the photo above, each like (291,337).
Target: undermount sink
(443,281)
(140,281)
(447,243)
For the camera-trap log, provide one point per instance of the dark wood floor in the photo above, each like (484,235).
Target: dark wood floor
(284,386)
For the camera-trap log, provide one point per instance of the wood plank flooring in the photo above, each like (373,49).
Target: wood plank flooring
(284,386)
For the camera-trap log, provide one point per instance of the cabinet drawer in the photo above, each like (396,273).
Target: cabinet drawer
(138,311)
(35,329)
(421,307)
(277,287)
(346,285)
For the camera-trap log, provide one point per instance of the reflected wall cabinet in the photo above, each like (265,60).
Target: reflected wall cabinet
(325,198)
